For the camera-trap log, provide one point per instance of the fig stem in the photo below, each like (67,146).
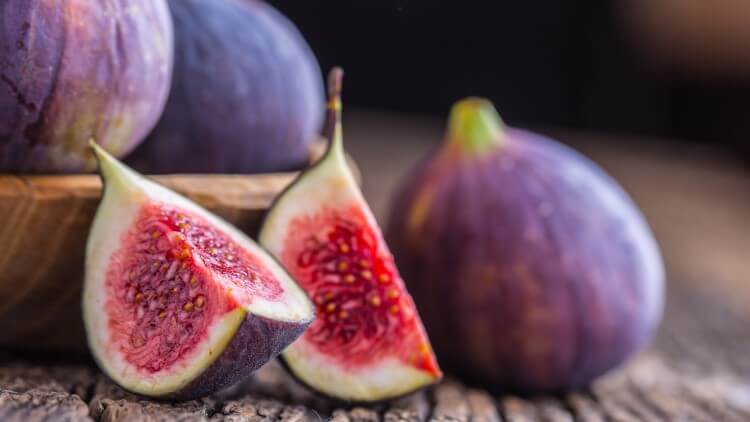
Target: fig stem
(475,126)
(333,128)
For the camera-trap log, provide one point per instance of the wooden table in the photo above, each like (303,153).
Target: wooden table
(697,368)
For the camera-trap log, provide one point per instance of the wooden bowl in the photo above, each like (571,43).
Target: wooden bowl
(46,223)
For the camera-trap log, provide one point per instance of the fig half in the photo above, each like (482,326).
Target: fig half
(177,303)
(368,343)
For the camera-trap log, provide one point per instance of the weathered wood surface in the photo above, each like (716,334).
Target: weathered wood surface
(697,368)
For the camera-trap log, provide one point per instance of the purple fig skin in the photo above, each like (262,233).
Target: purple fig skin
(256,342)
(247,93)
(532,269)
(75,70)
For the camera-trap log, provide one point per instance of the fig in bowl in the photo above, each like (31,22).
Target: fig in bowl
(246,97)
(177,303)
(532,268)
(72,70)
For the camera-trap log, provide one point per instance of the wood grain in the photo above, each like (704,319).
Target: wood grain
(666,382)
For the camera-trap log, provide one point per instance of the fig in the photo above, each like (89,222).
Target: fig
(72,70)
(368,343)
(534,270)
(177,303)
(247,93)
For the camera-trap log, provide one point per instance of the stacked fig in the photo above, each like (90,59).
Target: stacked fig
(226,86)
(73,70)
(246,97)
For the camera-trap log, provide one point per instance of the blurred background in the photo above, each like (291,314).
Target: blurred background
(663,68)
(655,91)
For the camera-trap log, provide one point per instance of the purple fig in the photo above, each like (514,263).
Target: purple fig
(532,268)
(247,93)
(75,70)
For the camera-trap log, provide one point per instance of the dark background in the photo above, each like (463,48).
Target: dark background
(577,65)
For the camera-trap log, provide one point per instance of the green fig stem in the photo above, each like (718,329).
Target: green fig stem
(333,128)
(475,126)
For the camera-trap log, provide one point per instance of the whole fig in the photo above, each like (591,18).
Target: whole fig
(79,69)
(247,93)
(533,270)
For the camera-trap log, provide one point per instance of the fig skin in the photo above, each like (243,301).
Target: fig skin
(247,93)
(241,357)
(77,69)
(257,341)
(531,267)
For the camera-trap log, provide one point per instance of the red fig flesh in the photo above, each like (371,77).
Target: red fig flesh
(533,269)
(368,343)
(177,303)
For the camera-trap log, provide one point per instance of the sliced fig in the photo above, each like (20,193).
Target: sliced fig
(177,303)
(368,343)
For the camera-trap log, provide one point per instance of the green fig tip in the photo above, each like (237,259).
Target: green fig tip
(475,126)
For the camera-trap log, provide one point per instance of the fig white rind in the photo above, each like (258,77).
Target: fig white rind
(386,379)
